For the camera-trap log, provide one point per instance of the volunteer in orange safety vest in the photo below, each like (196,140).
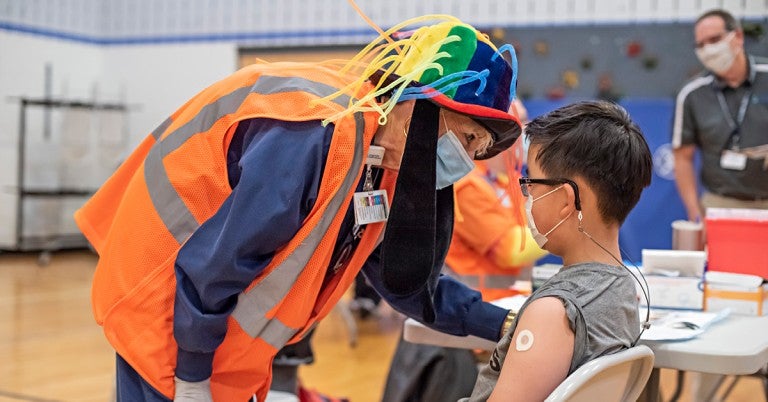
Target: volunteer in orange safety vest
(239,222)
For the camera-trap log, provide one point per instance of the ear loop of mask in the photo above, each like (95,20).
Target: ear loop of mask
(558,223)
(445,122)
(546,194)
(647,323)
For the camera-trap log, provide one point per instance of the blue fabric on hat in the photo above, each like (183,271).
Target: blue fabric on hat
(496,93)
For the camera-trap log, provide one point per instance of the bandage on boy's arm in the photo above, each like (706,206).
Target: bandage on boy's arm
(540,354)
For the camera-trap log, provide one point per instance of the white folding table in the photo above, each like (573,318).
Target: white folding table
(737,345)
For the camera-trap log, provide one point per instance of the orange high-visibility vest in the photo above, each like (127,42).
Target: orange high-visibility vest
(176,180)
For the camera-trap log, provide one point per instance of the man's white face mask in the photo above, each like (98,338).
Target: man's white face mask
(539,238)
(717,57)
(453,162)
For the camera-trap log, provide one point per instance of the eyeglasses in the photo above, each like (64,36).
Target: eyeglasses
(527,181)
(713,39)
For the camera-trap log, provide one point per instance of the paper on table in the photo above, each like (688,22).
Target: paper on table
(513,303)
(667,325)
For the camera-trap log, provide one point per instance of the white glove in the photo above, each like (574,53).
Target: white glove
(199,391)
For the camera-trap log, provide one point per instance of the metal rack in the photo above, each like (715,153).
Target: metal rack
(48,243)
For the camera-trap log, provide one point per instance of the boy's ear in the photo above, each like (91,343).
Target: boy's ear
(570,205)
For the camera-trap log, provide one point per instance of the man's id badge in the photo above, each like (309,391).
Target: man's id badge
(370,206)
(733,160)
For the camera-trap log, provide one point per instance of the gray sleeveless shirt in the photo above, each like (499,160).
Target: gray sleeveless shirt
(602,308)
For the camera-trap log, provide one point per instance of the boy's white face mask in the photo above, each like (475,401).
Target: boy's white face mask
(539,238)
(717,57)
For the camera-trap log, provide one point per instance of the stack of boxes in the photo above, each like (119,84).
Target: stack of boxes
(735,262)
(737,247)
(674,278)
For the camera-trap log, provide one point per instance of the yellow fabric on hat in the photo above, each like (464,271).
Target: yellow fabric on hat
(425,47)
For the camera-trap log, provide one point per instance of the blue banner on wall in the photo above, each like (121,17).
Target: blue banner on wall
(648,226)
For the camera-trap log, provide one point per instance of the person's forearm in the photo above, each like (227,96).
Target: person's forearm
(459,310)
(685,179)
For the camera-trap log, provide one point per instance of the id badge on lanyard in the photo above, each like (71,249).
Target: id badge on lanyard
(733,160)
(371,205)
(730,157)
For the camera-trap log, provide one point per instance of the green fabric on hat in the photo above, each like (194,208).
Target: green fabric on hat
(461,52)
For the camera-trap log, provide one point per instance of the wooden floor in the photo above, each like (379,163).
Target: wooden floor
(51,350)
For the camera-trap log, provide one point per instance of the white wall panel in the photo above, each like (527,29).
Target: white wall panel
(285,22)
(75,70)
(582,11)
(688,10)
(756,8)
(644,11)
(563,12)
(160,78)
(521,12)
(612,10)
(507,11)
(665,11)
(710,4)
(538,12)
(734,6)
(8,200)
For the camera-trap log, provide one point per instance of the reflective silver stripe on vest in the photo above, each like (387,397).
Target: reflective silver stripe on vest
(178,219)
(171,208)
(489,281)
(158,132)
(205,119)
(253,305)
(173,212)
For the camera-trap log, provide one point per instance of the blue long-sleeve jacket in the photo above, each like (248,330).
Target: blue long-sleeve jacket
(275,168)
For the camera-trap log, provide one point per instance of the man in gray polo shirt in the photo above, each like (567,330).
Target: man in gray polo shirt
(724,113)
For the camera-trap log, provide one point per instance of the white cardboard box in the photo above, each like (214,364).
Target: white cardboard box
(742,294)
(680,292)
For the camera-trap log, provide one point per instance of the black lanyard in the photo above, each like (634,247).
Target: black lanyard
(735,138)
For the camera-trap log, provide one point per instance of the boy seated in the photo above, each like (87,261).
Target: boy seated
(587,166)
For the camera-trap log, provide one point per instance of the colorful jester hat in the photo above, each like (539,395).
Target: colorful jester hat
(446,65)
(449,63)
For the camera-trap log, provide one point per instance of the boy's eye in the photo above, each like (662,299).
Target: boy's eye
(469,137)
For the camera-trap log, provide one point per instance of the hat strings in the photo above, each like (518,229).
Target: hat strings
(513,61)
(382,57)
(387,35)
(446,84)
(368,20)
(388,63)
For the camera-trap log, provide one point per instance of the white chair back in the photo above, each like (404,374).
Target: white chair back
(617,377)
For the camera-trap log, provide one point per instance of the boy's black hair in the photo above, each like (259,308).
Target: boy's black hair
(599,142)
(731,23)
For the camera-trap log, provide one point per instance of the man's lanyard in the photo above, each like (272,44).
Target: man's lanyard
(735,138)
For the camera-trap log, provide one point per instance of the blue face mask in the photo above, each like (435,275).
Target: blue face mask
(453,163)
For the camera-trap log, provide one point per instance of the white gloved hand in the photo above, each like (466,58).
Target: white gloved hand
(199,391)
